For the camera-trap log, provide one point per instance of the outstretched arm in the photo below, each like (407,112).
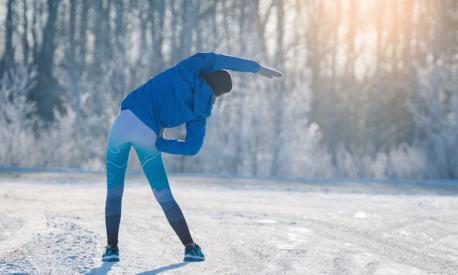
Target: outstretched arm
(195,132)
(227,62)
(206,62)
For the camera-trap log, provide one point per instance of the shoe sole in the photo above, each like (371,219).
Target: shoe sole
(191,258)
(111,258)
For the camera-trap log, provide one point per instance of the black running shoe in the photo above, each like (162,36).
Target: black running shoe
(193,253)
(111,254)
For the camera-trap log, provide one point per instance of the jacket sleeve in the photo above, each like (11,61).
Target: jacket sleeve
(195,133)
(205,62)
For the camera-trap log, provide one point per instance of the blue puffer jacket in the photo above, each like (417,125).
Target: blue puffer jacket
(179,95)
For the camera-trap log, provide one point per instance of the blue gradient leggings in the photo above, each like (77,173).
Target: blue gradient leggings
(127,131)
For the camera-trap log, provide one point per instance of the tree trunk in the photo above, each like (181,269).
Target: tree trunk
(8,55)
(45,93)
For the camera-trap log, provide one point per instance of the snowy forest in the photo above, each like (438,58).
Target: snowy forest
(370,87)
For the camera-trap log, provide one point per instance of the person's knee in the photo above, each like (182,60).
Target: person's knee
(166,200)
(116,162)
(115,191)
(115,166)
(164,196)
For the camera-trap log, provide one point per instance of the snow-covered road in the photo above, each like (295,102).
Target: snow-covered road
(53,223)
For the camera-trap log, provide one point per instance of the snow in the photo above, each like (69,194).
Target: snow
(53,223)
(361,215)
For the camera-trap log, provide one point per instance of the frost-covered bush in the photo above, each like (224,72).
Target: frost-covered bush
(303,154)
(79,134)
(435,112)
(434,150)
(403,161)
(17,119)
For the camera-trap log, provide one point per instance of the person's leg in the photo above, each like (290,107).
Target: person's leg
(153,167)
(117,155)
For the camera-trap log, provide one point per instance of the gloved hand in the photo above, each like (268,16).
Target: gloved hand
(269,72)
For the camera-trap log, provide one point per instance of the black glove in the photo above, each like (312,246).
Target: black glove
(269,72)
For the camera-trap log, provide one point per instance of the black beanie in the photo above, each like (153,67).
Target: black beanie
(219,81)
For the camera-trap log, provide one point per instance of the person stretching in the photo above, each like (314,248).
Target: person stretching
(184,93)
